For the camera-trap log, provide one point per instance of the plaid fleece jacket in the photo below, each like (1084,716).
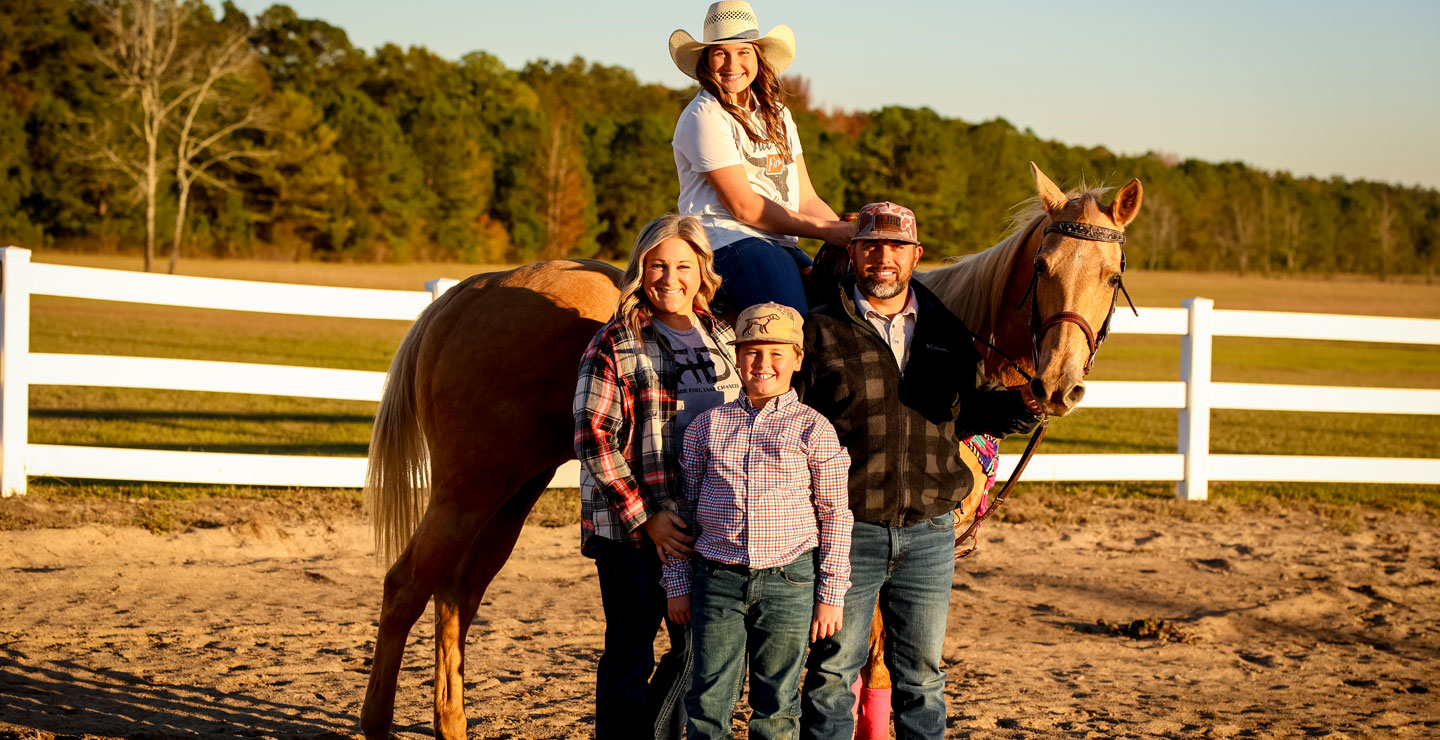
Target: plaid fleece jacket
(903,431)
(624,411)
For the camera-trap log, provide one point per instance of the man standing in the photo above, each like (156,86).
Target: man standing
(899,377)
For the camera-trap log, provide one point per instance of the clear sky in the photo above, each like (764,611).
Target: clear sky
(1314,88)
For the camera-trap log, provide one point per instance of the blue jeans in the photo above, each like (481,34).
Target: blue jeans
(765,613)
(909,571)
(630,702)
(754,270)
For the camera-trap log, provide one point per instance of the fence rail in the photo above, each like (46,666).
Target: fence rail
(1192,466)
(223,294)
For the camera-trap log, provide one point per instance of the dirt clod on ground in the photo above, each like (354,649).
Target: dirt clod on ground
(1150,628)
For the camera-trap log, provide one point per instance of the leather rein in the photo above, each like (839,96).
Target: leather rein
(1038,328)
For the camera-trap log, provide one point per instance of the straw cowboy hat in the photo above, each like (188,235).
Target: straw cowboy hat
(731,22)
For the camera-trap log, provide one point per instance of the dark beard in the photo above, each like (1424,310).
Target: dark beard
(872,286)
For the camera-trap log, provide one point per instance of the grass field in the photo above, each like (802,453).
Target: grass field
(266,424)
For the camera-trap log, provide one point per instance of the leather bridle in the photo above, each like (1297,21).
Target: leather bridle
(1038,328)
(1074,230)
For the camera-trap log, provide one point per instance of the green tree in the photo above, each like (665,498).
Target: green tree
(405,154)
(388,201)
(15,181)
(459,173)
(633,168)
(300,193)
(907,156)
(307,55)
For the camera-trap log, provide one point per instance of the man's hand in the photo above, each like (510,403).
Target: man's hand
(1024,420)
(827,621)
(840,233)
(1031,403)
(666,530)
(678,609)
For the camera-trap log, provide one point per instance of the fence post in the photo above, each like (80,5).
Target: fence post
(1195,357)
(438,286)
(14,378)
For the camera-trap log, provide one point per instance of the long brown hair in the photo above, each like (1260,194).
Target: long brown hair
(769,97)
(633,306)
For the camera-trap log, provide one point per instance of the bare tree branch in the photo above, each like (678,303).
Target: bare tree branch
(176,88)
(204,137)
(143,52)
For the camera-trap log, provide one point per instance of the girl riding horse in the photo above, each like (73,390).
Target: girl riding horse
(739,160)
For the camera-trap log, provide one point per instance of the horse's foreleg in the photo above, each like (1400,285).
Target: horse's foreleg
(875,674)
(445,533)
(459,598)
(872,690)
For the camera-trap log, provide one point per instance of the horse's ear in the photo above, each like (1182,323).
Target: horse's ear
(1052,196)
(1127,203)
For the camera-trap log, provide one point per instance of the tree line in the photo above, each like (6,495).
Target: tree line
(186,130)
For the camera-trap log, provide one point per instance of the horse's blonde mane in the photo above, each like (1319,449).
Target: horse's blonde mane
(974,286)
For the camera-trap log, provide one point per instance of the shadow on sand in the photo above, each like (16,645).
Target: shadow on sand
(71,700)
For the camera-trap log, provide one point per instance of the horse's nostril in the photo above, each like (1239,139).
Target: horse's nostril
(1037,388)
(1072,399)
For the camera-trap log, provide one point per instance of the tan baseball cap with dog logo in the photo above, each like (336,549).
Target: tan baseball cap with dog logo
(770,322)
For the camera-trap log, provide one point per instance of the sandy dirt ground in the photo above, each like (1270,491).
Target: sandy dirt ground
(1277,623)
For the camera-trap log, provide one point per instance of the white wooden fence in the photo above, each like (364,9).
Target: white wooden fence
(1191,465)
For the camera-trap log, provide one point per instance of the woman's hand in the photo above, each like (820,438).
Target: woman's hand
(827,621)
(667,530)
(678,609)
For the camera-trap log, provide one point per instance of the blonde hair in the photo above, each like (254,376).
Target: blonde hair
(769,97)
(634,308)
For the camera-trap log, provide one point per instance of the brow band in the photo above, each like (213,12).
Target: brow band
(1088,232)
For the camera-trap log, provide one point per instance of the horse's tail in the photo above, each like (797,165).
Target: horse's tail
(397,479)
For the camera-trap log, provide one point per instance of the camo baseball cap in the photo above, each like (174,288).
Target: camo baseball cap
(770,322)
(886,221)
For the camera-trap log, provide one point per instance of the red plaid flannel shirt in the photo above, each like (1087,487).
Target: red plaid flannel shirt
(764,486)
(624,410)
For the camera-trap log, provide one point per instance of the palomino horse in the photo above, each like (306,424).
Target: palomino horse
(476,415)
(1056,265)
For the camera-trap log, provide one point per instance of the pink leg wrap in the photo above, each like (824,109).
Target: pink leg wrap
(872,713)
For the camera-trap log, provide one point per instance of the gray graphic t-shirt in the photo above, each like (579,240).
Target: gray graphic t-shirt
(707,374)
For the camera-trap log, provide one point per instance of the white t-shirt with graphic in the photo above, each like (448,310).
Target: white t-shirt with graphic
(708,138)
(707,374)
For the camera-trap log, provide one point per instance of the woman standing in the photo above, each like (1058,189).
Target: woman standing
(739,160)
(658,363)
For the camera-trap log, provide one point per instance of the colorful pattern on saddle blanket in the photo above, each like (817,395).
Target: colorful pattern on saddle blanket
(982,452)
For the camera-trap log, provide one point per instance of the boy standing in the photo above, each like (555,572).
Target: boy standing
(765,485)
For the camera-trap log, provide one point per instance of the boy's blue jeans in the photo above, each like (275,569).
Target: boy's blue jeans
(909,571)
(765,612)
